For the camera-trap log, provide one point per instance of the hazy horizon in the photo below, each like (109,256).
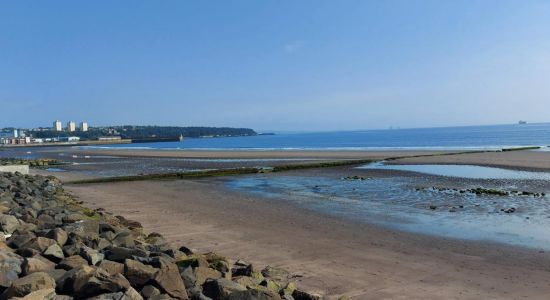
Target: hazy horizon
(275,65)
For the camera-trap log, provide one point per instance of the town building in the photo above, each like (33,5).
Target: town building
(83,126)
(71,126)
(57,126)
(109,138)
(68,139)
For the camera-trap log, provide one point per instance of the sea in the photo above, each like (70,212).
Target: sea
(467,137)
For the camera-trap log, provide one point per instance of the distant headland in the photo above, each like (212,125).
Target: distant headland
(85,134)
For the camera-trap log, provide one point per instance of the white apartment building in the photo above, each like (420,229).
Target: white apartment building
(71,126)
(57,126)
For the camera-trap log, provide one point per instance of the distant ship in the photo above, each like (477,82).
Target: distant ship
(520,122)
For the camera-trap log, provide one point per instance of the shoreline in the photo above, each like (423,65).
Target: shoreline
(336,256)
(206,215)
(253,154)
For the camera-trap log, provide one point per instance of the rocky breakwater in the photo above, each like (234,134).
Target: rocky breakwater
(51,247)
(43,162)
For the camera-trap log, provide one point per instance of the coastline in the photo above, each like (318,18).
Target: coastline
(253,154)
(335,257)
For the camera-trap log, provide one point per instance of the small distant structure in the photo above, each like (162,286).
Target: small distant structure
(109,138)
(57,125)
(83,126)
(71,126)
(15,133)
(68,139)
(521,122)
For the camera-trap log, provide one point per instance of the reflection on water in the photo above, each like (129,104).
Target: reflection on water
(463,171)
(397,203)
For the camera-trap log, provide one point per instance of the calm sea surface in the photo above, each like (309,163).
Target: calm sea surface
(425,138)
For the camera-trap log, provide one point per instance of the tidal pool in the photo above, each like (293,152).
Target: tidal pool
(395,202)
(463,171)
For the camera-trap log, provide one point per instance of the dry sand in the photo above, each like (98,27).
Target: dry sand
(335,257)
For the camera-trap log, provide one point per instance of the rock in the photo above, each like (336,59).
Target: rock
(193,261)
(119,254)
(83,228)
(161,297)
(221,288)
(301,295)
(155,261)
(195,293)
(73,248)
(112,267)
(30,283)
(10,268)
(54,252)
(131,294)
(124,239)
(246,281)
(27,252)
(73,217)
(242,268)
(56,274)
(271,285)
(89,281)
(137,273)
(39,243)
(102,244)
(186,250)
(59,235)
(110,296)
(168,280)
(254,294)
(43,294)
(8,224)
(149,291)
(36,264)
(92,256)
(6,279)
(176,254)
(157,242)
(45,221)
(188,276)
(72,262)
(288,289)
(202,273)
(18,240)
(275,273)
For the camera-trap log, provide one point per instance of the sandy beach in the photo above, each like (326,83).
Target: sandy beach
(532,160)
(334,256)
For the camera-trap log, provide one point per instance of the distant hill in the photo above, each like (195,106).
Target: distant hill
(144,132)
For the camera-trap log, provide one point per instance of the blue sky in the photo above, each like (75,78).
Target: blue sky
(275,65)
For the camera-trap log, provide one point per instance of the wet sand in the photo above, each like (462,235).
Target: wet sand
(524,160)
(238,154)
(335,257)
